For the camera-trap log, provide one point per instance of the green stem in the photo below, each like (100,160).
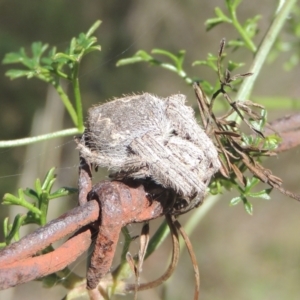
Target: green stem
(44,208)
(264,49)
(14,233)
(249,43)
(66,101)
(77,95)
(38,138)
(160,235)
(127,242)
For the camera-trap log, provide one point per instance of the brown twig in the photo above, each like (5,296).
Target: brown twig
(172,266)
(192,256)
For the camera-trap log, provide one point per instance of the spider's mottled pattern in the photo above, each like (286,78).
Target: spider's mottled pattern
(147,137)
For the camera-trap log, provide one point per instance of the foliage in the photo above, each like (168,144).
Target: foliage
(247,32)
(52,67)
(37,208)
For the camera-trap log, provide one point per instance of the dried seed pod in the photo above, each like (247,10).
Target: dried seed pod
(149,138)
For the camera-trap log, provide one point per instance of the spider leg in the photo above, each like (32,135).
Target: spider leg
(165,168)
(100,159)
(185,125)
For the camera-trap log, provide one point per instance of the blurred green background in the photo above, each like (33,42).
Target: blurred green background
(240,257)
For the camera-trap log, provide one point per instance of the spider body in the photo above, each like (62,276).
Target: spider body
(145,137)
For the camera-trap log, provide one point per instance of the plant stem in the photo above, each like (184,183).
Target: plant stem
(160,235)
(264,49)
(126,245)
(77,95)
(44,208)
(38,138)
(249,43)
(66,101)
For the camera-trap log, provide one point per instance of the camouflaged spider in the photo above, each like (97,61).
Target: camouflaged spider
(144,137)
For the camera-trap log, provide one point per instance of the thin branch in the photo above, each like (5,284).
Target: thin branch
(78,101)
(39,138)
(66,101)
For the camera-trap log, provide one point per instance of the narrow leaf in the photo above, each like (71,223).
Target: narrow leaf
(235,201)
(248,207)
(94,27)
(264,194)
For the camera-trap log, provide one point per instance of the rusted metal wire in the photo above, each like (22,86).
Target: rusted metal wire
(120,205)
(55,230)
(18,263)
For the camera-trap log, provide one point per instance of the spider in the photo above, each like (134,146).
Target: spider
(144,137)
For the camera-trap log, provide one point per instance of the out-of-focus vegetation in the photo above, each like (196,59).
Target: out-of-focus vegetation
(239,257)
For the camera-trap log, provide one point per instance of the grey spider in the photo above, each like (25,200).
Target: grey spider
(146,137)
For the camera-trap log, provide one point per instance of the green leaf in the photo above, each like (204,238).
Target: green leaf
(207,87)
(219,13)
(211,23)
(37,49)
(14,74)
(62,192)
(65,58)
(211,61)
(5,227)
(18,221)
(251,25)
(235,201)
(173,57)
(128,61)
(48,179)
(236,43)
(221,18)
(93,28)
(264,194)
(92,48)
(250,183)
(38,187)
(271,142)
(12,58)
(248,207)
(233,4)
(234,65)
(31,193)
(9,199)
